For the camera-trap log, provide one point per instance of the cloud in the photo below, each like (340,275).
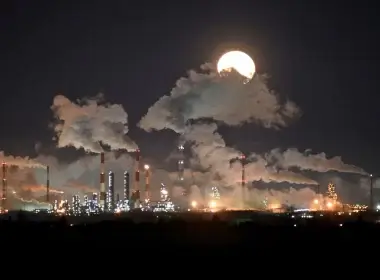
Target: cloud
(306,161)
(221,99)
(88,124)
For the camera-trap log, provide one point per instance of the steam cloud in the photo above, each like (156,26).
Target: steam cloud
(202,100)
(87,124)
(306,161)
(21,162)
(27,186)
(227,100)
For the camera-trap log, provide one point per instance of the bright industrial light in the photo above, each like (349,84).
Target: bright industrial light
(194,204)
(378,206)
(316,201)
(212,204)
(274,206)
(329,205)
(146,166)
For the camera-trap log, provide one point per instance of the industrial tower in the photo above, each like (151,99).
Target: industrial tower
(331,193)
(164,194)
(111,192)
(181,168)
(147,183)
(4,189)
(243,181)
(47,184)
(135,197)
(126,187)
(102,199)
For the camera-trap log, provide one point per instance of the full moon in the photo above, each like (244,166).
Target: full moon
(239,61)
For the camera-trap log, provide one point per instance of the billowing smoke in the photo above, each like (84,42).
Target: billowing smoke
(21,162)
(27,185)
(228,100)
(202,100)
(89,123)
(82,176)
(212,155)
(306,161)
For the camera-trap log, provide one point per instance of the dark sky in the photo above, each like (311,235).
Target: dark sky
(324,56)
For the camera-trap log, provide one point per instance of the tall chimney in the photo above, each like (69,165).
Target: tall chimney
(47,184)
(102,199)
(243,181)
(137,170)
(126,186)
(147,182)
(4,189)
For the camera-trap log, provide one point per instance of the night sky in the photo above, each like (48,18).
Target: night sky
(323,56)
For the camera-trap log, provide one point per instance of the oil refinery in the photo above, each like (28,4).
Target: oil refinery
(137,196)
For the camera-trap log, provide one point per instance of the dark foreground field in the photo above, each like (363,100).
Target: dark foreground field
(212,237)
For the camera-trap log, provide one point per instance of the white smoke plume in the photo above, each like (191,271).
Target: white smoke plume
(314,162)
(228,100)
(82,176)
(212,155)
(87,124)
(208,97)
(21,162)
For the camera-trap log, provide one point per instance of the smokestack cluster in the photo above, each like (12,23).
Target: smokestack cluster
(102,199)
(4,188)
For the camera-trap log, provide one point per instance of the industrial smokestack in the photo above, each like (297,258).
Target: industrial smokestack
(126,186)
(4,189)
(102,199)
(147,182)
(47,184)
(243,182)
(137,170)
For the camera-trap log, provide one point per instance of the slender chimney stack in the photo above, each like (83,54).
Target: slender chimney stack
(47,184)
(243,181)
(137,170)
(4,188)
(102,199)
(126,186)
(147,182)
